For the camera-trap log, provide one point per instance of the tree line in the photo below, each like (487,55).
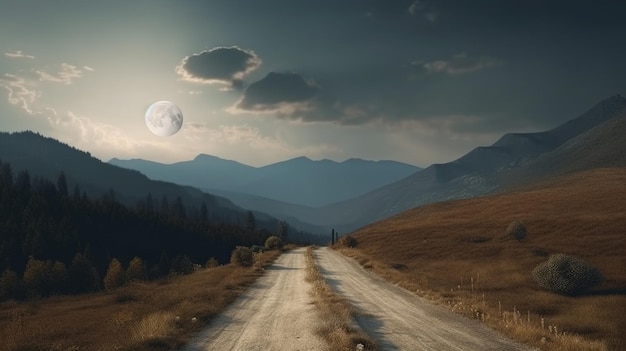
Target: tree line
(56,240)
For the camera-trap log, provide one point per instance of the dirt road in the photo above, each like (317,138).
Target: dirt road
(398,319)
(276,313)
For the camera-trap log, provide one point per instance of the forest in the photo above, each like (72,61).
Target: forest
(55,240)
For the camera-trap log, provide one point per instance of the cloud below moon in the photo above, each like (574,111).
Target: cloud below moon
(224,66)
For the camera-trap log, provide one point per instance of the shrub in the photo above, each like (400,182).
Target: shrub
(212,263)
(516,230)
(567,275)
(347,241)
(273,243)
(242,256)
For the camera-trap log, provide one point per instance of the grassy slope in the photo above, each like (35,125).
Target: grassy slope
(158,315)
(442,250)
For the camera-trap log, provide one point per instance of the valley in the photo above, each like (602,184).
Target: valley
(424,260)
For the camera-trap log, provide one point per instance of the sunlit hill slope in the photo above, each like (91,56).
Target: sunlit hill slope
(447,247)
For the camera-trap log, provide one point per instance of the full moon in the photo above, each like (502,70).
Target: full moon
(163,118)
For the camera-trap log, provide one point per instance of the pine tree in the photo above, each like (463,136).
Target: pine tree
(9,284)
(115,276)
(136,270)
(83,275)
(35,277)
(62,185)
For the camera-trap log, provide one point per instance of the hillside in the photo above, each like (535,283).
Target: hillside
(47,158)
(445,246)
(300,181)
(589,141)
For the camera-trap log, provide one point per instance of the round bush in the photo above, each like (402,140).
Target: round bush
(273,242)
(567,275)
(242,256)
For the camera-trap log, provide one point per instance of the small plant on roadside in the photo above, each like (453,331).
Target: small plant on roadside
(242,256)
(516,230)
(567,275)
(274,243)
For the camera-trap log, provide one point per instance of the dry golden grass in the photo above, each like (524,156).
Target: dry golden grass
(158,315)
(338,328)
(455,253)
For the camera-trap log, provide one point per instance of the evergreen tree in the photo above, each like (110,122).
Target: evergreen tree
(115,276)
(136,270)
(9,284)
(58,277)
(35,277)
(250,222)
(62,185)
(83,275)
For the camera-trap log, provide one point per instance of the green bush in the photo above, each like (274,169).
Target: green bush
(273,243)
(567,275)
(242,256)
(516,230)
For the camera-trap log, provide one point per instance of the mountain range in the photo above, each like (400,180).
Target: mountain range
(318,195)
(592,140)
(299,181)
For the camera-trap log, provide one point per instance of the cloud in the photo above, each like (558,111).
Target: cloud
(225,66)
(18,54)
(65,76)
(423,9)
(21,92)
(283,93)
(459,64)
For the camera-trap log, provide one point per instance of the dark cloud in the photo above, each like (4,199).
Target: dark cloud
(279,92)
(221,65)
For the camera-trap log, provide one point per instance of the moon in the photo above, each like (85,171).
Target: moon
(164,118)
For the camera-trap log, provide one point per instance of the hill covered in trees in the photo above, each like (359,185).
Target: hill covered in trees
(54,239)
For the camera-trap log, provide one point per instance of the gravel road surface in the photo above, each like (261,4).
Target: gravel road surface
(398,319)
(276,313)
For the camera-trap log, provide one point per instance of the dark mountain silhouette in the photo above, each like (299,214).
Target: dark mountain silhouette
(592,140)
(298,181)
(47,158)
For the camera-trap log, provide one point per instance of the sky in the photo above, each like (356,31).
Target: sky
(417,81)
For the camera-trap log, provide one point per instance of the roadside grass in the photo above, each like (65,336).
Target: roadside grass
(455,254)
(146,316)
(338,328)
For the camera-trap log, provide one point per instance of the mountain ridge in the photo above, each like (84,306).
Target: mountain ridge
(298,180)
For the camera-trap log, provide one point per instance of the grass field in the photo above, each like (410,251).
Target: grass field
(159,315)
(456,254)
